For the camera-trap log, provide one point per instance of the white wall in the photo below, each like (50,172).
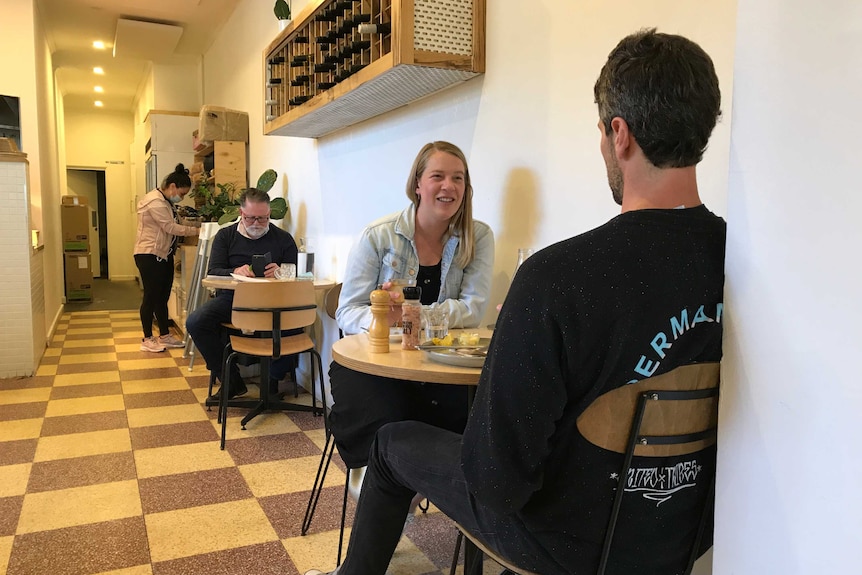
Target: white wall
(788,498)
(100,140)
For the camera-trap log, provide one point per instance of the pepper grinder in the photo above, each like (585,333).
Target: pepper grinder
(378,331)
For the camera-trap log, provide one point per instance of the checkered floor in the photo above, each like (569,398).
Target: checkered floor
(109,463)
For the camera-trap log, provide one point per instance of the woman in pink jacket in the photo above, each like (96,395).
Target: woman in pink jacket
(155,244)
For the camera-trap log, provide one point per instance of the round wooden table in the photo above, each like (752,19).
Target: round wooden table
(412,365)
(227,282)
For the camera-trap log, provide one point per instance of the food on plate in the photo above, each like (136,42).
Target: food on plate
(448,340)
(466,338)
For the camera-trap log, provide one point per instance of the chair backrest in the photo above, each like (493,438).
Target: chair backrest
(259,306)
(669,415)
(330,303)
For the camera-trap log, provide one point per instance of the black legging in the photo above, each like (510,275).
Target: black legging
(157,275)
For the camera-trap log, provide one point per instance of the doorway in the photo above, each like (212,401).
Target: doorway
(91,184)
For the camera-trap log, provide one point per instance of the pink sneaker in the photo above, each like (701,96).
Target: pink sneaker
(170,341)
(150,344)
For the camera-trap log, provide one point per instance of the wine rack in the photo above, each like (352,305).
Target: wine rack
(344,61)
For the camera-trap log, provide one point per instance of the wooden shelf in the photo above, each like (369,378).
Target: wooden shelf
(228,162)
(321,74)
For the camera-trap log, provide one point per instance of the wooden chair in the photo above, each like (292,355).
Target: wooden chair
(672,414)
(330,303)
(263,311)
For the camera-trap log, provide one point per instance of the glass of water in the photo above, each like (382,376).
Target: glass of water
(285,272)
(436,322)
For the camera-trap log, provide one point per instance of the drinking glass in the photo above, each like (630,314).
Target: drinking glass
(523,254)
(285,272)
(436,322)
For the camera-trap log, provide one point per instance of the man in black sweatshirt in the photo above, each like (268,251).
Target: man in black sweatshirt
(633,298)
(233,249)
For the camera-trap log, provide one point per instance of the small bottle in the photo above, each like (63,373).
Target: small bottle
(411,318)
(378,331)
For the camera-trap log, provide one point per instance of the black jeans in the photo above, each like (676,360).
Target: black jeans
(412,457)
(157,277)
(364,403)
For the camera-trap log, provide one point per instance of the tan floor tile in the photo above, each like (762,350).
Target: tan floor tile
(13,479)
(139,570)
(317,436)
(20,429)
(52,352)
(59,337)
(83,444)
(201,394)
(31,395)
(128,334)
(87,358)
(96,342)
(130,322)
(287,476)
(79,405)
(149,363)
(264,424)
(128,347)
(409,559)
(318,550)
(5,552)
(87,378)
(186,532)
(187,458)
(119,315)
(165,414)
(155,385)
(79,506)
(88,330)
(199,368)
(47,370)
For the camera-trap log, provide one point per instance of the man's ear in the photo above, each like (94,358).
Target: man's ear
(622,137)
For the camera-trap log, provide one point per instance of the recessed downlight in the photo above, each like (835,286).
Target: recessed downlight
(98,103)
(98,45)
(98,89)
(98,70)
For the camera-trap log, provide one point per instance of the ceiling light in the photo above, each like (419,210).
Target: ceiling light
(98,45)
(98,70)
(98,103)
(98,89)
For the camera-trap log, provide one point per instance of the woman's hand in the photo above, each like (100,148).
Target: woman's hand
(397,298)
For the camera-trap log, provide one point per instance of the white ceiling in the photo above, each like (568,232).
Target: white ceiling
(72,25)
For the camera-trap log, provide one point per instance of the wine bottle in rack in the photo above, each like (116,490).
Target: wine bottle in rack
(344,4)
(276,60)
(360,45)
(300,40)
(382,28)
(272,102)
(270,118)
(273,82)
(362,18)
(324,68)
(325,40)
(325,85)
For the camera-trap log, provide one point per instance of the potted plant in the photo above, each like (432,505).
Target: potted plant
(226,210)
(282,12)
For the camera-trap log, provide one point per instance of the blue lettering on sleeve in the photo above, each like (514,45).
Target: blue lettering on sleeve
(659,344)
(700,316)
(679,327)
(646,367)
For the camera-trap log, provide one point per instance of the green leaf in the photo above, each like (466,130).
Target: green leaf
(277,208)
(266,180)
(282,10)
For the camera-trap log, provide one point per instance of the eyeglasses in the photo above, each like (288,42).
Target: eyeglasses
(253,219)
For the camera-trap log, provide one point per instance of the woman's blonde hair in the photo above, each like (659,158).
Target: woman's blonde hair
(461,224)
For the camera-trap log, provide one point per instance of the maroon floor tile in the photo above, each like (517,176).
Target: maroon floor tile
(10,510)
(270,447)
(173,434)
(81,550)
(97,335)
(50,360)
(149,373)
(285,511)
(81,471)
(141,400)
(197,381)
(185,490)
(84,423)
(72,368)
(27,382)
(264,559)
(13,452)
(434,534)
(23,410)
(87,390)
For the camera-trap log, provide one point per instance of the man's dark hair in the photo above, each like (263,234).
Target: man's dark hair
(253,195)
(665,87)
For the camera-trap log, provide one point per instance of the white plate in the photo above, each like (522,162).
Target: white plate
(468,357)
(395,333)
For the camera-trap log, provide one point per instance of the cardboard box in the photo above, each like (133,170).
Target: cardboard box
(79,277)
(217,123)
(76,228)
(73,200)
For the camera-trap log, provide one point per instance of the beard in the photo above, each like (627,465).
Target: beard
(255,232)
(615,179)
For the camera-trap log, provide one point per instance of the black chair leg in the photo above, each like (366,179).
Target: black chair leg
(322,468)
(457,552)
(224,394)
(343,517)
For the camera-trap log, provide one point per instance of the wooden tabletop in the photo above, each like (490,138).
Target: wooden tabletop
(413,365)
(227,282)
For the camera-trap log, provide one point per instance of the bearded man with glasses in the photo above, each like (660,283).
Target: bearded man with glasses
(232,251)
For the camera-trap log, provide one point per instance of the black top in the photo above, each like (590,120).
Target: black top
(635,297)
(428,279)
(231,249)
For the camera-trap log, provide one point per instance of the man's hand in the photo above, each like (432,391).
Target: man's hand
(244,271)
(269,270)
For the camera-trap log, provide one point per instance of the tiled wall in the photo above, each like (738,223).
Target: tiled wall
(17,355)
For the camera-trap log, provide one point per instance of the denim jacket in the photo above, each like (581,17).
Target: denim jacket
(386,250)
